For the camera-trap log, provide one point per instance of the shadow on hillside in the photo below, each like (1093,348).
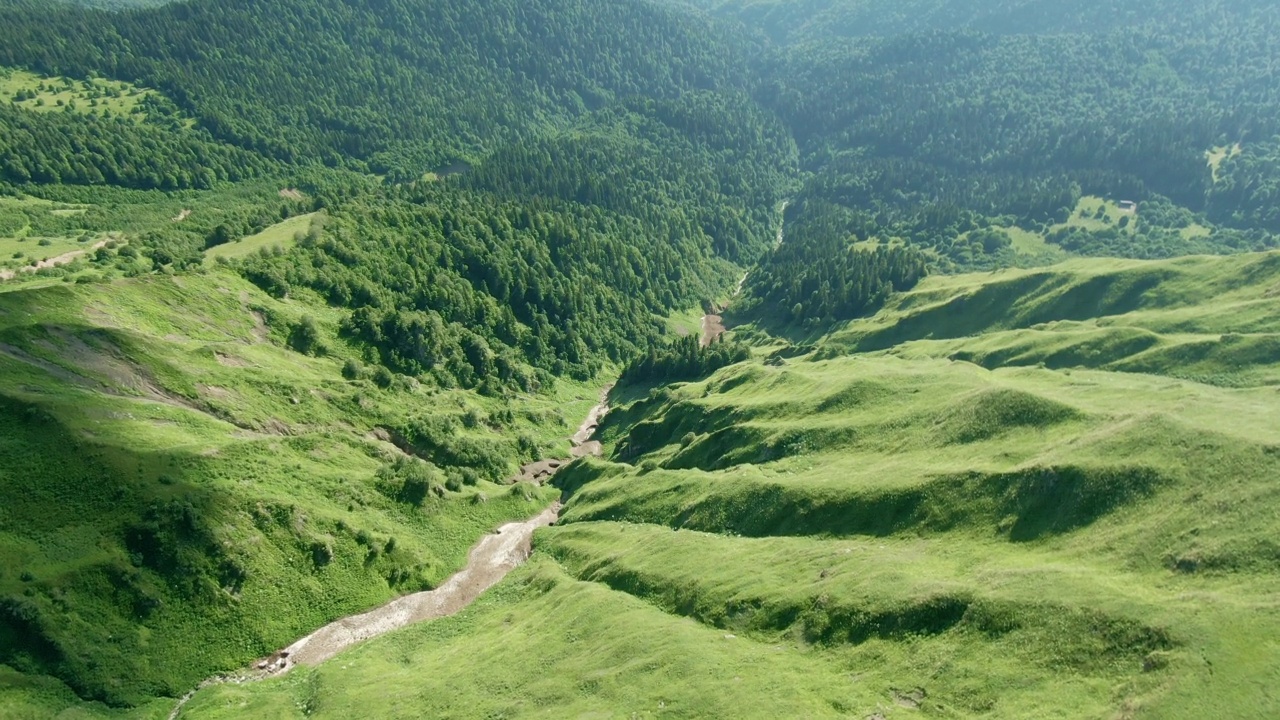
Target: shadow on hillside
(1022,506)
(120,538)
(1021,302)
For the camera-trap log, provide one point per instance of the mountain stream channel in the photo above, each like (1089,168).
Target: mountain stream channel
(489,561)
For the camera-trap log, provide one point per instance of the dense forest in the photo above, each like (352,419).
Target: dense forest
(820,275)
(468,288)
(683,359)
(563,171)
(392,87)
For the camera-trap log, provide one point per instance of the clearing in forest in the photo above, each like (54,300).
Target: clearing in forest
(282,234)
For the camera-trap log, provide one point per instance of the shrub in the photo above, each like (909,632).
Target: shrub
(321,554)
(351,370)
(409,480)
(305,337)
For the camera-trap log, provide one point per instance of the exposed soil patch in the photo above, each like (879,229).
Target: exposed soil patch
(214,392)
(274,427)
(291,194)
(56,371)
(106,360)
(231,361)
(260,331)
(712,329)
(182,215)
(909,698)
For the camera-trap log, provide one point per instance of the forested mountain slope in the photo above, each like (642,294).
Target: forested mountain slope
(792,21)
(389,85)
(964,110)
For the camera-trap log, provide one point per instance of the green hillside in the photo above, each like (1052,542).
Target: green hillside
(898,532)
(182,492)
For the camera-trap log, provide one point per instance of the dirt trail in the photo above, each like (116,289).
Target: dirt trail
(62,259)
(488,563)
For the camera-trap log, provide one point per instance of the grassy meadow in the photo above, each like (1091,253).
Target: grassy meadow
(1216,156)
(281,235)
(1042,493)
(64,219)
(22,244)
(96,96)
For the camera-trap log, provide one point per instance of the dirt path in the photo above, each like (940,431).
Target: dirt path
(54,261)
(488,563)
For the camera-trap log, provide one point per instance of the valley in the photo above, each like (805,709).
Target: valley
(896,531)
(639,358)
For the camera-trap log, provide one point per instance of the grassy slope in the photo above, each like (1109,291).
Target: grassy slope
(87,97)
(1216,156)
(1208,319)
(865,533)
(181,494)
(281,235)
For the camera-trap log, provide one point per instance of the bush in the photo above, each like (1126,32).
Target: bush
(409,480)
(305,337)
(351,370)
(321,554)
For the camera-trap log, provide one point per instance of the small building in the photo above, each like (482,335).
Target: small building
(1128,206)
